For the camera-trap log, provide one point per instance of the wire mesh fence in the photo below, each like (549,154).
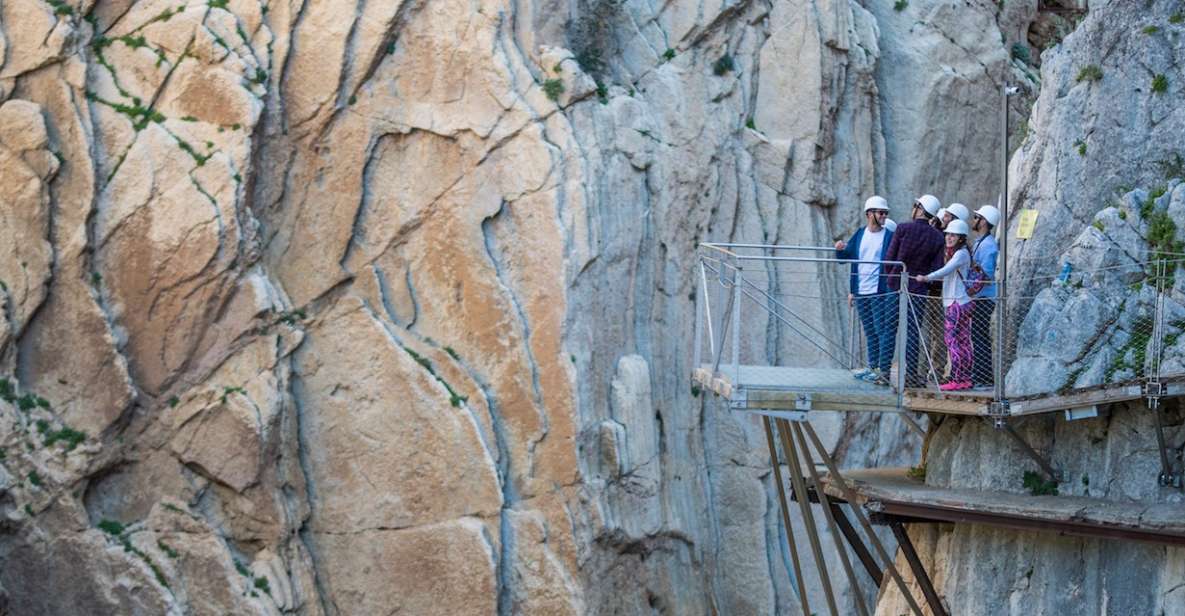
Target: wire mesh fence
(800,319)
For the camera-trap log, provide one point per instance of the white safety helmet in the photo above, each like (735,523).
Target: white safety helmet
(941,214)
(960,211)
(876,202)
(957,227)
(990,214)
(929,203)
(890,225)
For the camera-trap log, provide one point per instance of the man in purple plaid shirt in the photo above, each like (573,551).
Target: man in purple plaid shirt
(919,246)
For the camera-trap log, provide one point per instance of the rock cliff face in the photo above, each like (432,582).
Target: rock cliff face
(320,308)
(1102,166)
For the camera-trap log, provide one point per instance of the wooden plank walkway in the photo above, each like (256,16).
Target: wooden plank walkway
(890,492)
(834,389)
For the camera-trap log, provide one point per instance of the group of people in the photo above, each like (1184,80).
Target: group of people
(943,262)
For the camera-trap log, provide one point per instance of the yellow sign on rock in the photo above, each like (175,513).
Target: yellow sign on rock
(1028,222)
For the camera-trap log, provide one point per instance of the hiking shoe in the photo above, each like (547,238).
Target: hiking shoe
(862,373)
(881,379)
(872,376)
(955,386)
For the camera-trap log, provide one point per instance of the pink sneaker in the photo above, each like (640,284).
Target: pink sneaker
(955,386)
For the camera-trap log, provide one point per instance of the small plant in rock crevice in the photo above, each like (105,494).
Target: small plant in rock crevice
(227,391)
(111,527)
(1090,72)
(167,549)
(668,55)
(1021,52)
(1160,84)
(1038,485)
(725,64)
(900,5)
(60,7)
(553,88)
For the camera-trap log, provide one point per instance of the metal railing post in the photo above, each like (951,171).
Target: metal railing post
(902,331)
(701,300)
(1002,259)
(738,282)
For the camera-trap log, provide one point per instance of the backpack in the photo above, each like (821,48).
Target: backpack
(977,279)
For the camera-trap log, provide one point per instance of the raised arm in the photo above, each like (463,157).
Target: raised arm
(960,259)
(850,250)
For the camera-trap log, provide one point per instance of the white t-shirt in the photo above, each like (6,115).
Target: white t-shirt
(870,250)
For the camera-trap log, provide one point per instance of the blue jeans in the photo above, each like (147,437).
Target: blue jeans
(878,316)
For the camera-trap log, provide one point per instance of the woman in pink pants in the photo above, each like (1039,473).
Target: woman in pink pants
(956,304)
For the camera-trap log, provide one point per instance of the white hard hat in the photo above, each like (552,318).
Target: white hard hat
(960,211)
(941,213)
(957,227)
(890,225)
(929,203)
(990,214)
(876,202)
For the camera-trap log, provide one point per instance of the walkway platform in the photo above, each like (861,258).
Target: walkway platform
(776,388)
(891,496)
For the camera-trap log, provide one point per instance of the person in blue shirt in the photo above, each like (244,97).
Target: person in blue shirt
(984,253)
(875,302)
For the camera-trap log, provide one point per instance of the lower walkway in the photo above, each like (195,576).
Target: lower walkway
(891,495)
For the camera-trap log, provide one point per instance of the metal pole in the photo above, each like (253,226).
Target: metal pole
(1002,260)
(854,540)
(850,496)
(773,458)
(698,343)
(902,331)
(703,274)
(808,518)
(738,280)
(919,570)
(825,504)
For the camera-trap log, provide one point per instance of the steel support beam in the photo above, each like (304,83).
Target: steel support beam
(808,517)
(773,458)
(885,513)
(919,572)
(858,546)
(850,495)
(1046,467)
(830,518)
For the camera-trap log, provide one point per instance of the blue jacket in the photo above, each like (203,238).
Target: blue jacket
(852,251)
(986,254)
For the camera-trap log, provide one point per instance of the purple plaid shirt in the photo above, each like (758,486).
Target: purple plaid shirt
(919,246)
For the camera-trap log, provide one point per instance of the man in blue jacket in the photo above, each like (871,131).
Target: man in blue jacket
(875,304)
(984,253)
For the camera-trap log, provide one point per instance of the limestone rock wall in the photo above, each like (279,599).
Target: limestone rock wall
(318,308)
(1101,164)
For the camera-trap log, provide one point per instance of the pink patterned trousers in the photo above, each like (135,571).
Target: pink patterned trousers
(958,341)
